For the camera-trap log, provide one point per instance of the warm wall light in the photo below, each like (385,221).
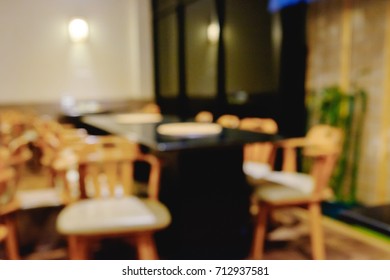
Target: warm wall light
(78,30)
(213,32)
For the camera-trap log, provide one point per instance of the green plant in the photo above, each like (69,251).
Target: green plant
(345,110)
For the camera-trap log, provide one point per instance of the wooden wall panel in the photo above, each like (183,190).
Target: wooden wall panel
(349,45)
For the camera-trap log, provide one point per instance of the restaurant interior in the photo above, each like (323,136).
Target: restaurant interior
(195,130)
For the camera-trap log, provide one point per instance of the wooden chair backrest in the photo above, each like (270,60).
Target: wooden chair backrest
(7,190)
(7,174)
(53,140)
(151,108)
(204,116)
(229,121)
(13,122)
(20,153)
(264,125)
(323,139)
(106,168)
(4,157)
(259,152)
(324,145)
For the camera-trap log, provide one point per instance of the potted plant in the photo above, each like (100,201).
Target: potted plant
(346,110)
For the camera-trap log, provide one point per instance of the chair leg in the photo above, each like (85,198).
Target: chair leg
(146,247)
(78,248)
(11,240)
(316,231)
(259,233)
(3,232)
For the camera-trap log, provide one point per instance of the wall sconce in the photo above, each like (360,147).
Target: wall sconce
(78,30)
(213,32)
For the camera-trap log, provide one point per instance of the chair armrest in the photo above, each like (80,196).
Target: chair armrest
(289,147)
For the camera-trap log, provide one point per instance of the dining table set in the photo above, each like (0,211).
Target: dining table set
(202,180)
(173,188)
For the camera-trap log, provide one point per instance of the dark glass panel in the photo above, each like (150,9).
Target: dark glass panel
(168,56)
(250,47)
(165,5)
(201,53)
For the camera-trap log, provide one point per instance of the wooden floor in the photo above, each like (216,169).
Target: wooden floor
(289,240)
(342,241)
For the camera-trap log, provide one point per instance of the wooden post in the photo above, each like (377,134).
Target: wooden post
(345,53)
(384,141)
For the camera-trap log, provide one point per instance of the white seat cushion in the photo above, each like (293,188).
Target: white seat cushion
(299,181)
(112,215)
(256,170)
(48,197)
(273,192)
(279,186)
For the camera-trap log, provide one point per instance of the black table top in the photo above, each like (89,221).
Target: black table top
(146,134)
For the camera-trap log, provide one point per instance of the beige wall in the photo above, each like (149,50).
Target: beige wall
(350,47)
(38,62)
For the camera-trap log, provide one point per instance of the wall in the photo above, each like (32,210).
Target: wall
(349,44)
(40,64)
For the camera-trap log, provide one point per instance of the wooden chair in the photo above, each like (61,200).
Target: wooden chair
(20,153)
(53,144)
(8,207)
(258,155)
(229,121)
(151,108)
(263,125)
(108,206)
(204,117)
(13,123)
(285,189)
(52,139)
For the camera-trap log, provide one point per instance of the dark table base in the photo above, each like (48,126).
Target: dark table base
(202,185)
(208,197)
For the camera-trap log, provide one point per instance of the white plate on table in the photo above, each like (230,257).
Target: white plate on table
(138,118)
(189,129)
